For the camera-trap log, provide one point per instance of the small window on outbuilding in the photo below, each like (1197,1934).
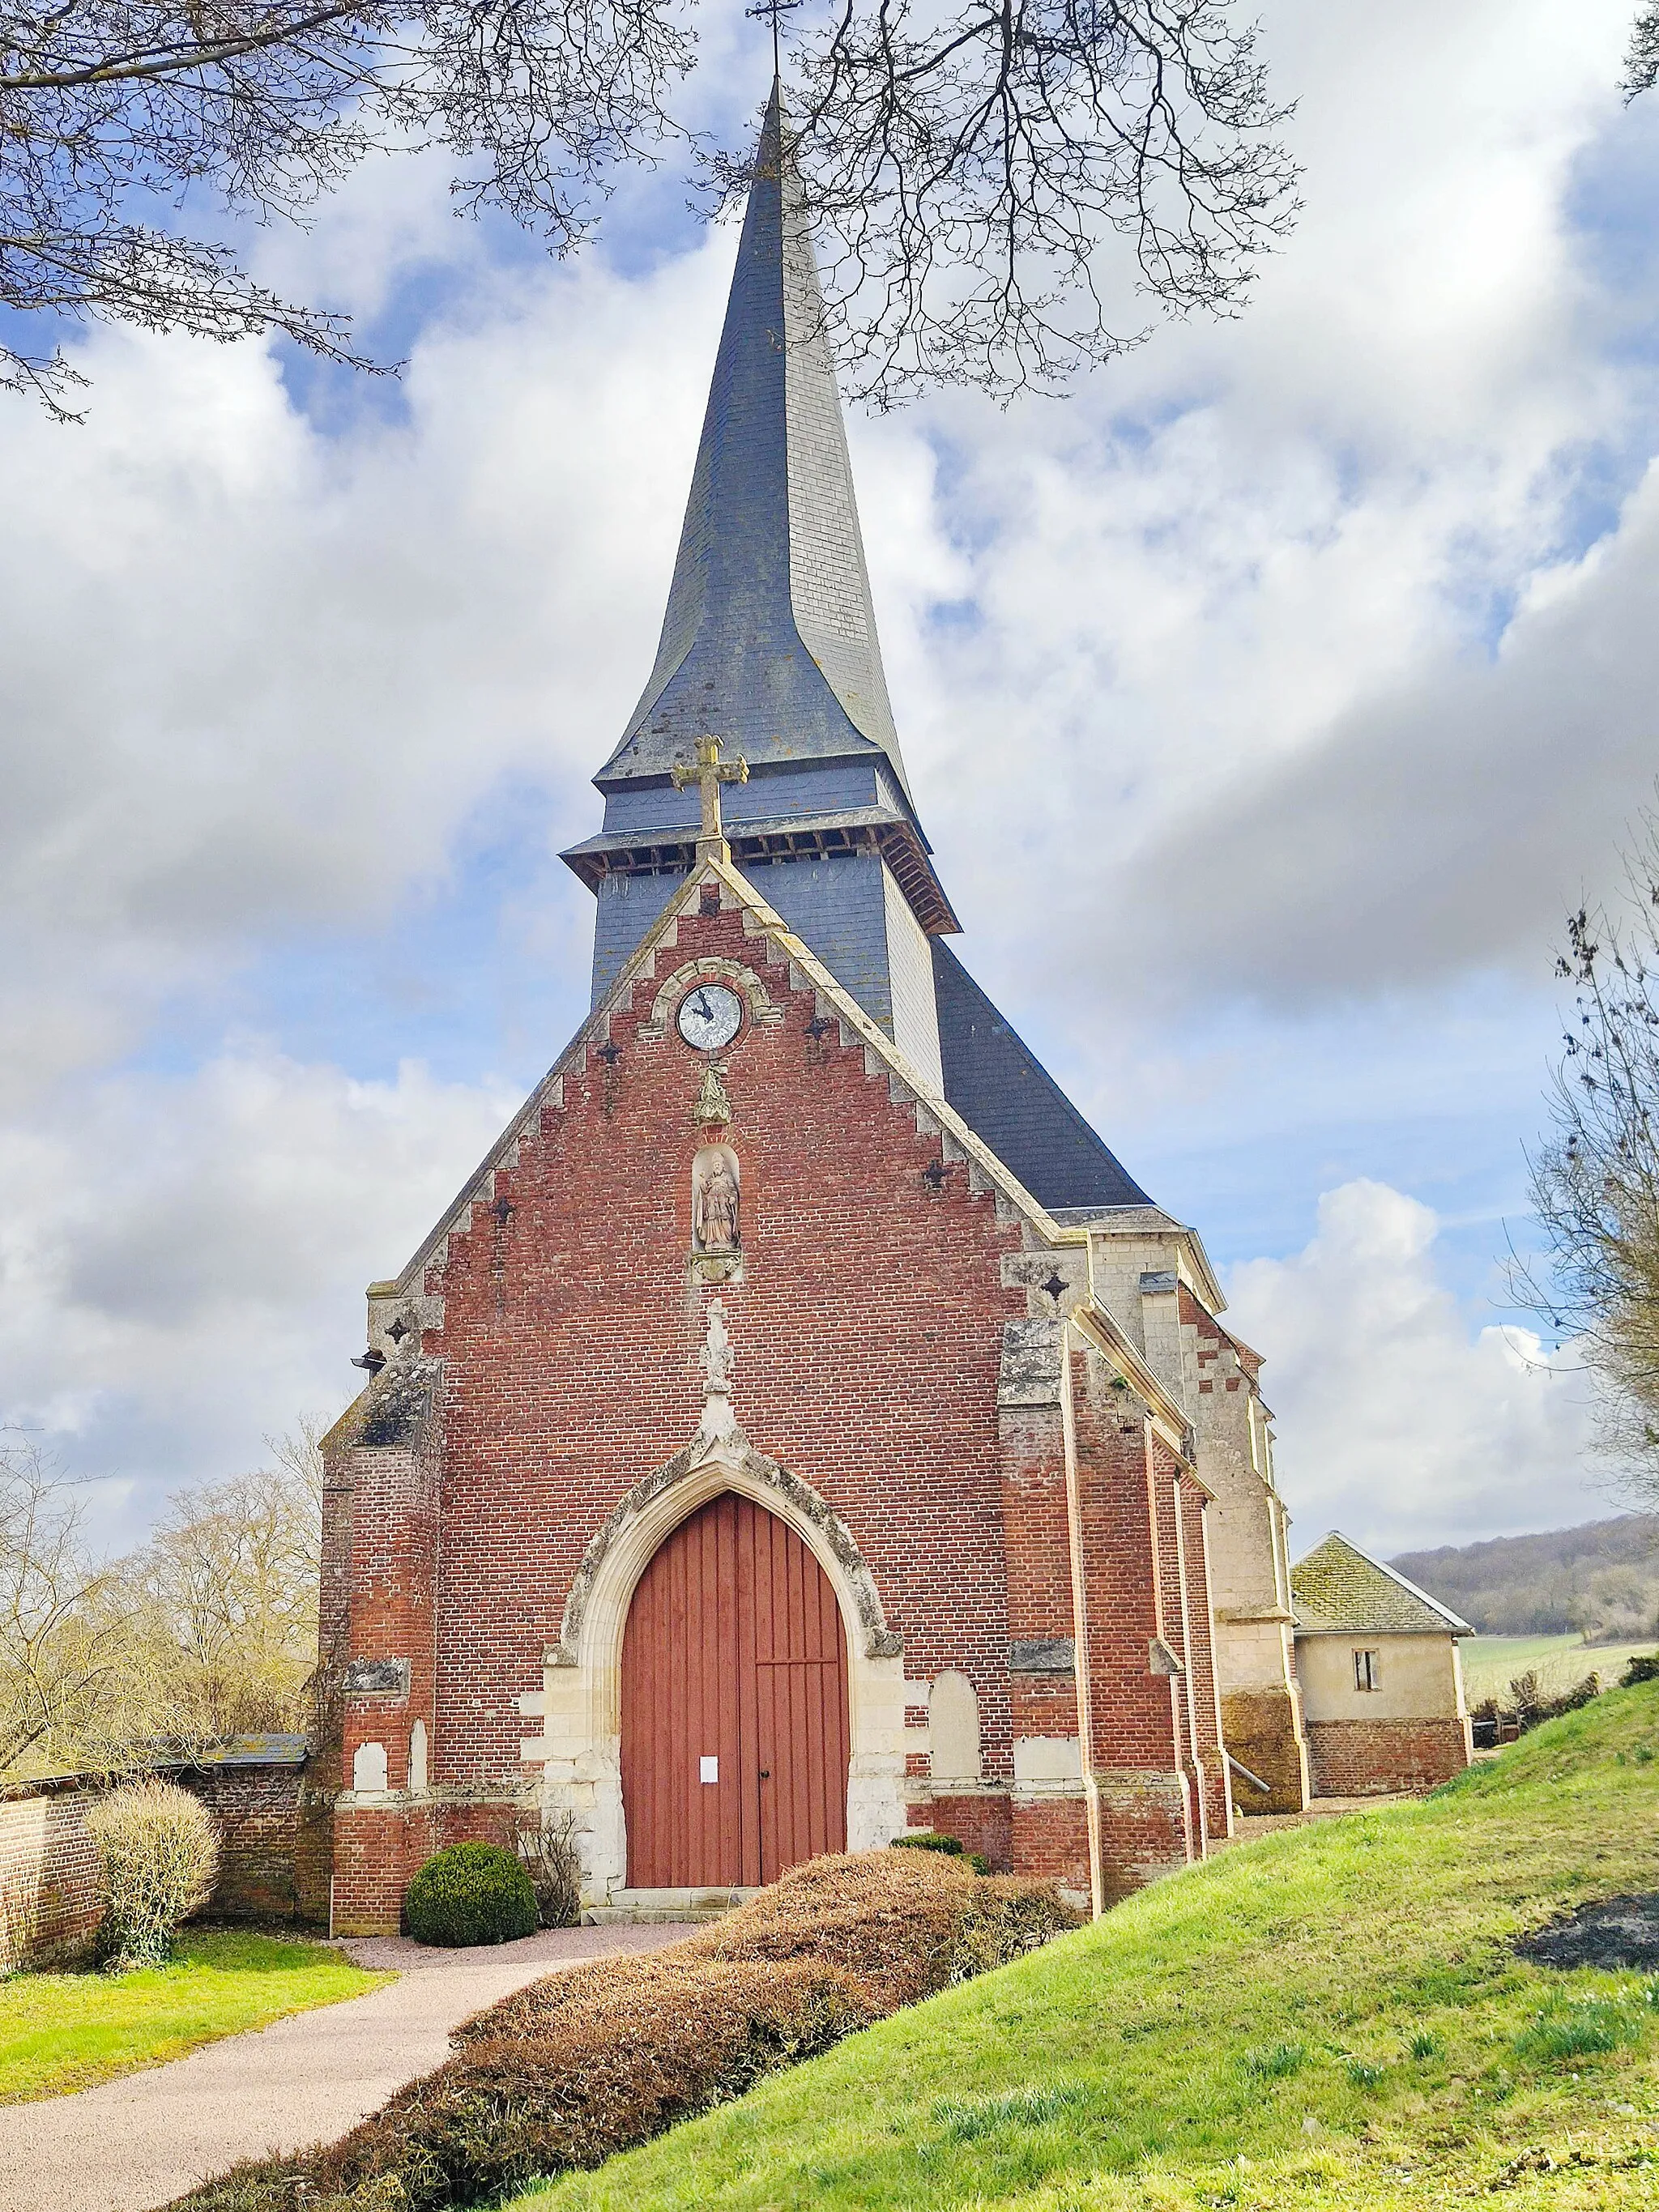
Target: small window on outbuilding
(1367,1671)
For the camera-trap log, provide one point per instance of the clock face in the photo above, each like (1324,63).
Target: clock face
(709,1016)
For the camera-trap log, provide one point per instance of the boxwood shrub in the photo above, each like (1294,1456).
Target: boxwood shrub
(931,1839)
(471,1894)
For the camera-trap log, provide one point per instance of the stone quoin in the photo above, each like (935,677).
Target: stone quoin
(798,1220)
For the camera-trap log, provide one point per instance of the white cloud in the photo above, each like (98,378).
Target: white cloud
(1239,603)
(1399,1423)
(183,1260)
(256,678)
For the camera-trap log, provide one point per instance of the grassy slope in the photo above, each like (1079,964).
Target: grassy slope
(1329,2017)
(1491,1663)
(62,2032)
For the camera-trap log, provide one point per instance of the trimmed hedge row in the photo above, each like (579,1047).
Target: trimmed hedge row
(601,2057)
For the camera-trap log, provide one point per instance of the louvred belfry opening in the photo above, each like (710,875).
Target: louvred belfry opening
(735,1737)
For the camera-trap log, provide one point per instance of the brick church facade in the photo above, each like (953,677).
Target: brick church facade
(801,1428)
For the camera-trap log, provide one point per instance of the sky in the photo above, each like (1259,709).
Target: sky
(1269,702)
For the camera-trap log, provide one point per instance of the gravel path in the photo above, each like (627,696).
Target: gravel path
(131,2145)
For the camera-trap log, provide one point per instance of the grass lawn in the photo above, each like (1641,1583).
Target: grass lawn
(1492,1663)
(60,2032)
(1330,2018)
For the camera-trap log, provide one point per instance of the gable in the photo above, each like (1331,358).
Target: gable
(774,951)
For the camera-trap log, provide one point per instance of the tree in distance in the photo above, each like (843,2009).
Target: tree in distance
(1595,1180)
(1001,188)
(207,1631)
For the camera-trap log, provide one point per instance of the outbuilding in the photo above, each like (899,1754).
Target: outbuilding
(1381,1678)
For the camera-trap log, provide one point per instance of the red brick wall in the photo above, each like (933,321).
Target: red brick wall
(983,1824)
(48,1877)
(1360,1758)
(49,1870)
(868,1337)
(257,1811)
(1136,1736)
(868,1340)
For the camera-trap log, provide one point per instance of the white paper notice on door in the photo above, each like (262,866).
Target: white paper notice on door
(711,1770)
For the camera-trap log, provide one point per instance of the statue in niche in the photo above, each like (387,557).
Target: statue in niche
(716,1198)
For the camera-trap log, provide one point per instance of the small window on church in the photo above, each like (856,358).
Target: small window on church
(1367,1671)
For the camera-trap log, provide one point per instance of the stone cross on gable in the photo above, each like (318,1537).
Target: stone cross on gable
(708,773)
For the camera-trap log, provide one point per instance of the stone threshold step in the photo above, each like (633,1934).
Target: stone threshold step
(652,1907)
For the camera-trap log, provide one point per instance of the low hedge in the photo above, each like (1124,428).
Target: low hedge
(604,2056)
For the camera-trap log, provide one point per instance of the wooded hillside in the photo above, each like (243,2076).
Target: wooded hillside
(1602,1577)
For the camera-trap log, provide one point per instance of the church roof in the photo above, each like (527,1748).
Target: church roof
(1338,1589)
(1003,1092)
(769,638)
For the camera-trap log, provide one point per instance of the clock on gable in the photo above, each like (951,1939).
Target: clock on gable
(709,1016)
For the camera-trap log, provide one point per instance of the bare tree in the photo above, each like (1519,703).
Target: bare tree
(225,1597)
(1595,1180)
(207,1631)
(64,1629)
(974,171)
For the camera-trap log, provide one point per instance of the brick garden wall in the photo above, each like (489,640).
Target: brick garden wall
(48,1875)
(257,1810)
(48,1869)
(1358,1758)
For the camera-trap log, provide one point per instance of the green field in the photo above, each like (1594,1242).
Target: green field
(1492,1663)
(1331,2018)
(61,2031)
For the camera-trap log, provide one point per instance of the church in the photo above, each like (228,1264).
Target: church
(801,1428)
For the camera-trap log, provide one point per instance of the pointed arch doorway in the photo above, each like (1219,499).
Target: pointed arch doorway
(735,1734)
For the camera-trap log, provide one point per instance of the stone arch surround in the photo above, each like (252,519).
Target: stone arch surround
(582,1703)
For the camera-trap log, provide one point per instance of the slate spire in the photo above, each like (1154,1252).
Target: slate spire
(769,638)
(770,645)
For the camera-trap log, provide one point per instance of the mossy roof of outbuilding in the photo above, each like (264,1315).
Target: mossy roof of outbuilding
(1338,1588)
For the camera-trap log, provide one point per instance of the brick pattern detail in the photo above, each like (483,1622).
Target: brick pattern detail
(1203,1691)
(1051,1843)
(48,1877)
(258,1812)
(984,1823)
(1358,1758)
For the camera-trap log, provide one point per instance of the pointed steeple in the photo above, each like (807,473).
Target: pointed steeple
(770,645)
(769,638)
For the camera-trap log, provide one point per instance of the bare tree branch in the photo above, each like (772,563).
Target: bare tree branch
(1003,189)
(63,1627)
(982,184)
(1595,1180)
(1642,61)
(117,115)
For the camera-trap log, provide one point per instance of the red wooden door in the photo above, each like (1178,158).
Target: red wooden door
(735,1738)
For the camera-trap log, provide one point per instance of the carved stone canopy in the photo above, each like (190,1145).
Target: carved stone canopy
(713,1107)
